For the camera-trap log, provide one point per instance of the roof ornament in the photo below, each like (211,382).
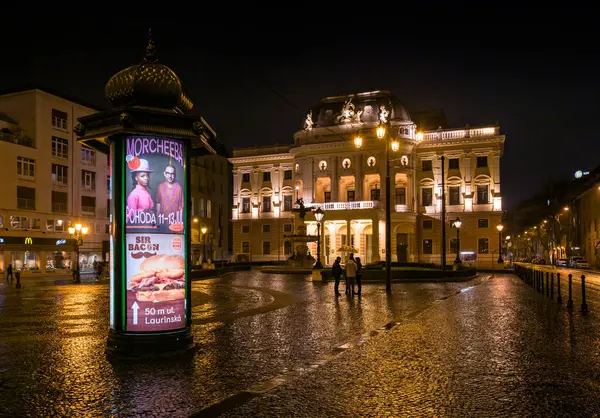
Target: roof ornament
(308,123)
(383,114)
(150,49)
(347,113)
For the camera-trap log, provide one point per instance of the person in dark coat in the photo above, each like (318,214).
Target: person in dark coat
(336,272)
(359,267)
(9,273)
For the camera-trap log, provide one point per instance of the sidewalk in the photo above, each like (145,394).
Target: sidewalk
(492,350)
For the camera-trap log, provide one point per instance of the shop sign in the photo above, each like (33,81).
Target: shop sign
(61,242)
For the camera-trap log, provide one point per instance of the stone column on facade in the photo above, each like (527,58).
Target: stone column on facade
(409,190)
(333,179)
(496,172)
(375,240)
(308,179)
(358,179)
(467,175)
(255,188)
(237,187)
(276,182)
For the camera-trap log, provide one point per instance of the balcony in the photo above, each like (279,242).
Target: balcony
(59,207)
(17,139)
(26,204)
(364,204)
(91,210)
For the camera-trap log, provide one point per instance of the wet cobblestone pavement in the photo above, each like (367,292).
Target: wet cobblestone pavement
(458,349)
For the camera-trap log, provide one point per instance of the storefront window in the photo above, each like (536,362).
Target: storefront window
(56,260)
(24,260)
(86,261)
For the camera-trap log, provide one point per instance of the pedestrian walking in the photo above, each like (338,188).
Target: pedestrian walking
(336,272)
(350,275)
(9,273)
(359,267)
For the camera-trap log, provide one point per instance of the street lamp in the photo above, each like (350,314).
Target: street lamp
(500,227)
(203,230)
(383,133)
(77,233)
(319,217)
(457,224)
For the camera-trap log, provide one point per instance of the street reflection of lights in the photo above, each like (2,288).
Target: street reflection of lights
(466,289)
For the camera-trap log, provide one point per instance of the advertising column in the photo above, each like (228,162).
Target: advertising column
(155,243)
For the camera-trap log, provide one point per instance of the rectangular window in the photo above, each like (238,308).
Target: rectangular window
(60,174)
(245,247)
(350,194)
(245,205)
(208,209)
(287,247)
(287,227)
(60,147)
(88,156)
(19,222)
(375,193)
(482,194)
(266,228)
(88,180)
(427,246)
(88,204)
(401,195)
(266,176)
(426,165)
(108,209)
(454,192)
(327,197)
(266,248)
(287,174)
(25,197)
(428,224)
(245,177)
(482,162)
(482,223)
(26,167)
(245,229)
(266,204)
(483,245)
(287,203)
(59,202)
(453,164)
(427,196)
(453,245)
(59,119)
(107,228)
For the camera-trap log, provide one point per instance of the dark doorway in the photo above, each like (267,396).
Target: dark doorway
(402,247)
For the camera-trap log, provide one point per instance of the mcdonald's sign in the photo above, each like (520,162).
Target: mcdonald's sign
(28,241)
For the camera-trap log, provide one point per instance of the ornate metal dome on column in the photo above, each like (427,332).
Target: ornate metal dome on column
(148,84)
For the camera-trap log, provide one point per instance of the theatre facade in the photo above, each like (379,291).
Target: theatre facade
(337,163)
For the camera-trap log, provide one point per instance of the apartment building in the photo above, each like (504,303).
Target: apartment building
(49,183)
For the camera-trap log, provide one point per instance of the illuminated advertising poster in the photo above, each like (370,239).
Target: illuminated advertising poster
(154,170)
(155,281)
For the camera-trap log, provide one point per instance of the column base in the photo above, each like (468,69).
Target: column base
(139,346)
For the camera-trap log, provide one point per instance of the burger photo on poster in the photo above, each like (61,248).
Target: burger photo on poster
(161,278)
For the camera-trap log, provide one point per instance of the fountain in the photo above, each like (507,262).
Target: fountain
(300,261)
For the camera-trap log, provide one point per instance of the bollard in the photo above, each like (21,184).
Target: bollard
(18,277)
(551,285)
(570,301)
(547,284)
(584,307)
(559,296)
(541,282)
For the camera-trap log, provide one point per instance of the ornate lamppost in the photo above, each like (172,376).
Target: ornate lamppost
(500,227)
(203,230)
(457,225)
(319,217)
(77,233)
(383,133)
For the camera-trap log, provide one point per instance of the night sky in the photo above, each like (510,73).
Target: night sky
(538,81)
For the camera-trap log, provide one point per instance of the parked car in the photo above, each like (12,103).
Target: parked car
(562,262)
(578,262)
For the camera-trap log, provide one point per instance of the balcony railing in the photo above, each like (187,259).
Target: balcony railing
(363,204)
(59,207)
(88,209)
(460,133)
(26,203)
(16,139)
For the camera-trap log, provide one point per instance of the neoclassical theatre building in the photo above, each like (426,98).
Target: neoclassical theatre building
(337,162)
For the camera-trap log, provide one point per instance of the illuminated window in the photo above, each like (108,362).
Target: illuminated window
(346,163)
(322,165)
(371,161)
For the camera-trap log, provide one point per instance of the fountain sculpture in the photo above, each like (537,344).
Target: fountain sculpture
(301,258)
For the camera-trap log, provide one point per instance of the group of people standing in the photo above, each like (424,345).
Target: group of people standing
(352,273)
